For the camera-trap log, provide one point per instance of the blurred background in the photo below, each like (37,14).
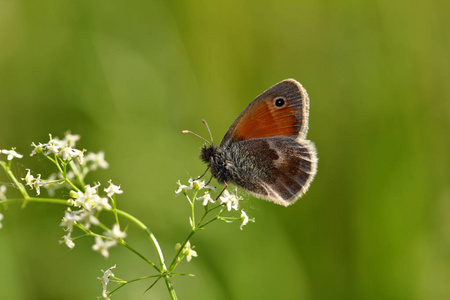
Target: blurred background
(128,77)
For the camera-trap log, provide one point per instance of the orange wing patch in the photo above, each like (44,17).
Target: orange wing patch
(262,118)
(265,120)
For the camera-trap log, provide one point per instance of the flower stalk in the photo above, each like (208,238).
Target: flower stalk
(87,204)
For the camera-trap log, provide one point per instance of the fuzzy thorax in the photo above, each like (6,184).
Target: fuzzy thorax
(212,155)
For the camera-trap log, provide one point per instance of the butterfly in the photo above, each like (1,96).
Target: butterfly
(265,151)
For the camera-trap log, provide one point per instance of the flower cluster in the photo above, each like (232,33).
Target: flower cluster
(227,200)
(34,182)
(86,206)
(193,185)
(88,201)
(65,149)
(62,153)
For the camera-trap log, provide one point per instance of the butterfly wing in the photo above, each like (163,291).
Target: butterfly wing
(265,117)
(279,169)
(265,151)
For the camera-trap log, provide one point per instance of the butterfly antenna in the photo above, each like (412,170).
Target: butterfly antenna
(207,127)
(188,131)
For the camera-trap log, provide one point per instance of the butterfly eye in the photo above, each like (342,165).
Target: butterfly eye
(279,102)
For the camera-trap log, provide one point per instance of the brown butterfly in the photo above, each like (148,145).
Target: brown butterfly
(265,150)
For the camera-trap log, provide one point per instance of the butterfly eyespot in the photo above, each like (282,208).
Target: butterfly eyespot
(279,102)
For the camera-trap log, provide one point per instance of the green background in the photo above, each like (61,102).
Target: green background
(129,76)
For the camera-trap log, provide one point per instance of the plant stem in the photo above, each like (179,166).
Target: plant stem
(175,259)
(32,199)
(169,285)
(77,173)
(19,185)
(212,220)
(116,216)
(140,255)
(149,233)
(124,283)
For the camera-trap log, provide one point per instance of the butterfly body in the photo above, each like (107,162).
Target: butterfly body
(265,151)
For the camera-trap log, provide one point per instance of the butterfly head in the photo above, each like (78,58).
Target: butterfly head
(208,153)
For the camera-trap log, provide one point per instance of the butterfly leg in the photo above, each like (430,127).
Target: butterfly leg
(226,185)
(204,175)
(209,181)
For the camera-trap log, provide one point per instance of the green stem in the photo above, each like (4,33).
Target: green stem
(116,216)
(120,241)
(124,283)
(204,215)
(71,184)
(169,285)
(194,196)
(127,215)
(149,233)
(55,161)
(212,220)
(140,255)
(19,185)
(77,173)
(32,199)
(175,259)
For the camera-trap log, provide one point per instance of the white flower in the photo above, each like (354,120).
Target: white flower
(101,202)
(71,139)
(65,153)
(78,154)
(89,199)
(53,146)
(11,154)
(103,246)
(68,220)
(69,153)
(2,192)
(183,188)
(231,201)
(29,178)
(197,184)
(86,217)
(206,198)
(37,184)
(80,199)
(245,219)
(1,218)
(96,160)
(68,241)
(187,251)
(37,148)
(210,187)
(34,182)
(113,189)
(105,280)
(200,184)
(115,233)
